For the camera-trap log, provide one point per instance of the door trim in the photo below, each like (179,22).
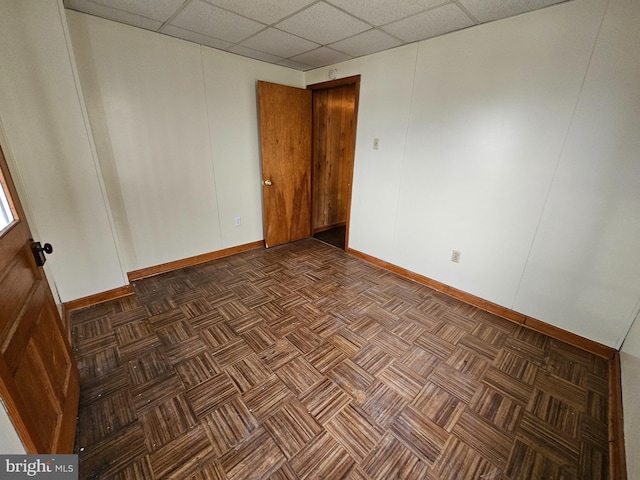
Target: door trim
(352,80)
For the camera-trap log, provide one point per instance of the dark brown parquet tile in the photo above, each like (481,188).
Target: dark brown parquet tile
(419,434)
(292,427)
(323,457)
(166,420)
(302,362)
(257,457)
(324,400)
(182,456)
(354,432)
(229,424)
(460,461)
(325,357)
(267,397)
(392,459)
(439,405)
(197,369)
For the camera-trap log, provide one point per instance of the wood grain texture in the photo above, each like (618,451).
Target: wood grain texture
(617,456)
(506,313)
(187,262)
(333,155)
(39,381)
(365,375)
(284,115)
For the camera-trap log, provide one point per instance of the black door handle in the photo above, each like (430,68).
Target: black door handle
(39,251)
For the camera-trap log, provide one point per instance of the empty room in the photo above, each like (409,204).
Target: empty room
(320,239)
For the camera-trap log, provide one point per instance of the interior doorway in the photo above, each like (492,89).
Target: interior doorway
(307,150)
(334,121)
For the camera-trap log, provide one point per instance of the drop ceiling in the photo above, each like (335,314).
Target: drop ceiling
(305,34)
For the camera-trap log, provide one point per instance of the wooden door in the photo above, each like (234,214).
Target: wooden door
(39,382)
(284,114)
(333,155)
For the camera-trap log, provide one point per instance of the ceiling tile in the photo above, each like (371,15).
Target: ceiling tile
(156,9)
(249,52)
(206,19)
(301,26)
(277,42)
(294,65)
(487,10)
(432,23)
(323,24)
(380,12)
(195,37)
(265,11)
(113,14)
(365,43)
(320,57)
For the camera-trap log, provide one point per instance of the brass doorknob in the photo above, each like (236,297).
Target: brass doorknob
(267,183)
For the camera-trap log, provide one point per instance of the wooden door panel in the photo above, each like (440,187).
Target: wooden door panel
(16,274)
(285,148)
(39,381)
(49,341)
(18,280)
(36,395)
(333,152)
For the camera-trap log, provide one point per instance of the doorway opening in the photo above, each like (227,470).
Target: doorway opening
(334,121)
(335,236)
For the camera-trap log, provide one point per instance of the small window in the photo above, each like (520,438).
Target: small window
(7,215)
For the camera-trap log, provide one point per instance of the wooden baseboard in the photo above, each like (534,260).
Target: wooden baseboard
(97,298)
(504,312)
(617,457)
(68,307)
(187,262)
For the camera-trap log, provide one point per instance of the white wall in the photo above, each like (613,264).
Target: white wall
(9,441)
(583,273)
(176,132)
(49,149)
(513,146)
(230,82)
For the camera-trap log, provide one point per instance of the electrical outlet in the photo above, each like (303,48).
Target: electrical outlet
(455,256)
(237,221)
(376,144)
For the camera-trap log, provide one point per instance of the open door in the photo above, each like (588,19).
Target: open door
(284,115)
(39,382)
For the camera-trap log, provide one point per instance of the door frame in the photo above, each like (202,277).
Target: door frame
(352,80)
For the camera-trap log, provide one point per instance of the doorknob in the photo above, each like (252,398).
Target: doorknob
(39,251)
(267,183)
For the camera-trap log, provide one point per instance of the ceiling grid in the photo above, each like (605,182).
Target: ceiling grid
(305,34)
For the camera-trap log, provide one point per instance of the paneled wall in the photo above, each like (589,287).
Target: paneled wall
(50,150)
(516,143)
(176,133)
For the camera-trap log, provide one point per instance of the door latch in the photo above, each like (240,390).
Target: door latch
(39,251)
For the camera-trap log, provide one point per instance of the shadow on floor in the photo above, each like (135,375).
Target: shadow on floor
(335,236)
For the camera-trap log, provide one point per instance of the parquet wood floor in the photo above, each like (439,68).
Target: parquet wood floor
(302,362)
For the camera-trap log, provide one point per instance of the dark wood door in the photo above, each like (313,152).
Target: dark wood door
(39,382)
(333,155)
(284,115)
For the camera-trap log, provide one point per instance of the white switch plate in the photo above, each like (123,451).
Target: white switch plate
(455,256)
(376,144)
(237,221)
